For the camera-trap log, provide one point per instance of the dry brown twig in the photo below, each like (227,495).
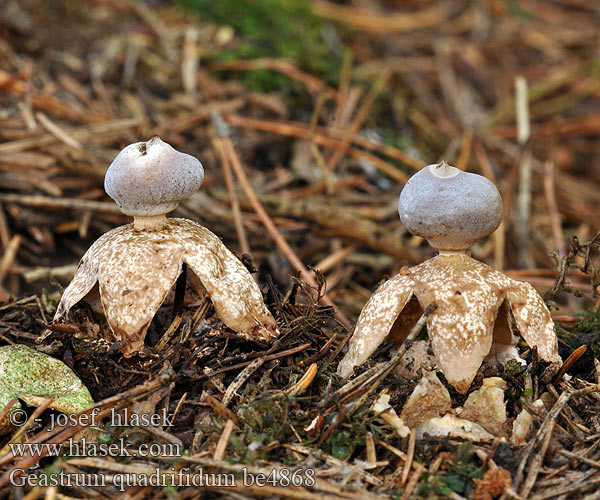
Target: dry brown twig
(268,222)
(360,388)
(568,261)
(222,130)
(542,439)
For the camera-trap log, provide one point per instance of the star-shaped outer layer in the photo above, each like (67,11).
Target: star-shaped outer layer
(470,296)
(135,270)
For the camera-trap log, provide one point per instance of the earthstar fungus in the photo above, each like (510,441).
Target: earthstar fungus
(136,265)
(452,210)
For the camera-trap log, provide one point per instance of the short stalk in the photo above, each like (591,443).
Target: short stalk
(446,253)
(149,222)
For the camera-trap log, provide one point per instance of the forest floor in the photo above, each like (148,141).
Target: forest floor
(330,109)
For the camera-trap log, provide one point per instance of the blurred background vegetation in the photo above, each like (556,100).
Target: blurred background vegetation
(272,28)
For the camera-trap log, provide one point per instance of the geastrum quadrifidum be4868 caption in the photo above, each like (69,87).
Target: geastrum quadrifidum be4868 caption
(136,265)
(452,210)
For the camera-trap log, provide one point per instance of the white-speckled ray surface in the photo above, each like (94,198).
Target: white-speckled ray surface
(233,291)
(376,320)
(136,269)
(468,294)
(533,319)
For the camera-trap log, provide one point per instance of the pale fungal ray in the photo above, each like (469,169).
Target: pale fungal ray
(135,276)
(87,273)
(469,295)
(137,269)
(375,321)
(533,320)
(234,293)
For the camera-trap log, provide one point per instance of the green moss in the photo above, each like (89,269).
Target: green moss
(458,478)
(519,10)
(271,28)
(342,444)
(585,332)
(590,323)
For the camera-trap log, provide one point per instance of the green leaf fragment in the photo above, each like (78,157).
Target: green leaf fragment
(33,376)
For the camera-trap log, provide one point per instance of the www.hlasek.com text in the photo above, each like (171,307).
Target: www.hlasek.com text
(85,448)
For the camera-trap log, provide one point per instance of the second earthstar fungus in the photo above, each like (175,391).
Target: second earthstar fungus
(452,210)
(136,265)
